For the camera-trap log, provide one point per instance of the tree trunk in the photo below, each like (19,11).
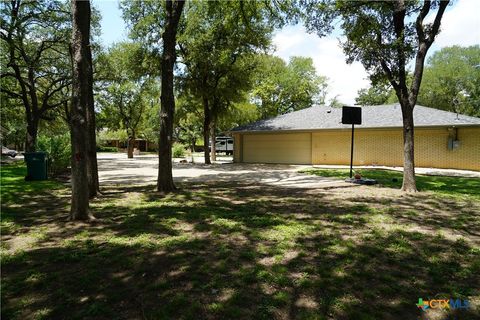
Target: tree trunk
(167,98)
(206,130)
(409,183)
(130,146)
(192,148)
(92,166)
(31,138)
(212,138)
(80,100)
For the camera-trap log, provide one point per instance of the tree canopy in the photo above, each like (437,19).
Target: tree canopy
(280,88)
(218,42)
(385,36)
(451,80)
(376,94)
(128,90)
(35,59)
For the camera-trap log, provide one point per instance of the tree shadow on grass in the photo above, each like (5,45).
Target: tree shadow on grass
(433,213)
(453,186)
(211,277)
(245,251)
(15,190)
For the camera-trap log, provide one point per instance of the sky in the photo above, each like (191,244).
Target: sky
(460,26)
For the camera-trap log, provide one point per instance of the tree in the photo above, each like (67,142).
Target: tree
(35,64)
(452,80)
(384,36)
(155,23)
(217,45)
(146,20)
(92,166)
(38,68)
(127,90)
(376,94)
(280,88)
(209,28)
(167,98)
(81,98)
(240,113)
(126,105)
(13,128)
(188,120)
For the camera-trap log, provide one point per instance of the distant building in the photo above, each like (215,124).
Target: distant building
(140,144)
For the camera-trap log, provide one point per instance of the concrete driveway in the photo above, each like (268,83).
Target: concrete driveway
(118,169)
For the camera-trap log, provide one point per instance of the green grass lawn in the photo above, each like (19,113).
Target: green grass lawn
(14,185)
(453,186)
(236,251)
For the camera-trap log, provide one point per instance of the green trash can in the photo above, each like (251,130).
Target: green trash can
(36,165)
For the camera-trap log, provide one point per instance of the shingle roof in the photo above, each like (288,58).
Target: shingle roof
(382,116)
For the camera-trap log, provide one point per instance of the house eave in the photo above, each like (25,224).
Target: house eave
(356,128)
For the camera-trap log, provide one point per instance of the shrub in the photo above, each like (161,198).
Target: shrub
(106,149)
(58,149)
(178,150)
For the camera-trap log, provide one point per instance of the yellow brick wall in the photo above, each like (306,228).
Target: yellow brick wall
(431,149)
(385,147)
(372,147)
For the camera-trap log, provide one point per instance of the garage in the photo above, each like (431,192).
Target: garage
(291,148)
(316,136)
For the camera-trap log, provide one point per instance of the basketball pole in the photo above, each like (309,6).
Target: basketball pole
(351,151)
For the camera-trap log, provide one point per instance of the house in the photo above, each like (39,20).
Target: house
(140,144)
(316,136)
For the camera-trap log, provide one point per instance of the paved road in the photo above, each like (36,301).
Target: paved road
(117,169)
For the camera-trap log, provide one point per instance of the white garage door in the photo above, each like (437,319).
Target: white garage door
(292,148)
